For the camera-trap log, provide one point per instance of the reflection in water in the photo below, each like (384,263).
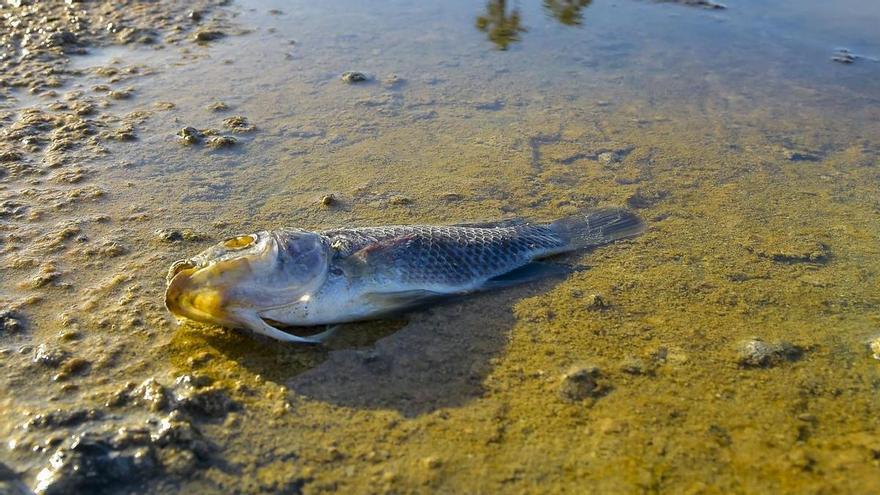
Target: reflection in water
(567,12)
(501,27)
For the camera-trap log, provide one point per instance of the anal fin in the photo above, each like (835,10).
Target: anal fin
(535,270)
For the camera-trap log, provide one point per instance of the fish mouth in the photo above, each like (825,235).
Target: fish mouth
(185,297)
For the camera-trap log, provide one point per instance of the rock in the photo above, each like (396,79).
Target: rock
(90,464)
(218,106)
(595,302)
(178,235)
(10,323)
(71,367)
(152,394)
(178,462)
(706,4)
(121,94)
(633,366)
(644,198)
(212,402)
(610,157)
(238,123)
(50,356)
(7,156)
(352,77)
(222,142)
(206,35)
(63,418)
(190,135)
(582,382)
(174,431)
(756,353)
(131,437)
(393,81)
(802,156)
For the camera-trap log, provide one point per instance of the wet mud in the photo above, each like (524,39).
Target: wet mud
(731,348)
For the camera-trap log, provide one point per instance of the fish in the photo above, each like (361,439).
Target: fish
(298,278)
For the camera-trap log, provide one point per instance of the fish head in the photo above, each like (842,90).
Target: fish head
(231,282)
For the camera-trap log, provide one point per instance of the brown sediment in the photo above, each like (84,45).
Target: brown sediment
(763,229)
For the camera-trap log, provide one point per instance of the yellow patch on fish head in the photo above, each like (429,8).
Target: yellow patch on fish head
(205,294)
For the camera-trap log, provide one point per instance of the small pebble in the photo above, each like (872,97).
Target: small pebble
(10,323)
(756,353)
(595,302)
(222,142)
(206,35)
(353,77)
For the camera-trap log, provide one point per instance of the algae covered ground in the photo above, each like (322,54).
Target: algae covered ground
(726,350)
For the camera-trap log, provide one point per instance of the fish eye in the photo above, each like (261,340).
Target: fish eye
(239,242)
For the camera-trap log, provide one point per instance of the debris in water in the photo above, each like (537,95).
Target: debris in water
(844,56)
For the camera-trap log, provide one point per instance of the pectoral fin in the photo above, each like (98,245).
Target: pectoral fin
(256,324)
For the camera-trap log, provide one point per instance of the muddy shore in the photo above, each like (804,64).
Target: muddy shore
(729,349)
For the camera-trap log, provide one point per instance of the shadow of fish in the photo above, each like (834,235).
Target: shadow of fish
(299,278)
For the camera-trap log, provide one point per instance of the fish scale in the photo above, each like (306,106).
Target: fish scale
(446,255)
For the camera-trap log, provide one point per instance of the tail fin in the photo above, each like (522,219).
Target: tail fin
(597,227)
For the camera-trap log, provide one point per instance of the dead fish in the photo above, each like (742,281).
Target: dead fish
(299,278)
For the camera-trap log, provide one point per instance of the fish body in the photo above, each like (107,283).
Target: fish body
(300,278)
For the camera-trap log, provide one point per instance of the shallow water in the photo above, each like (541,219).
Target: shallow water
(752,155)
